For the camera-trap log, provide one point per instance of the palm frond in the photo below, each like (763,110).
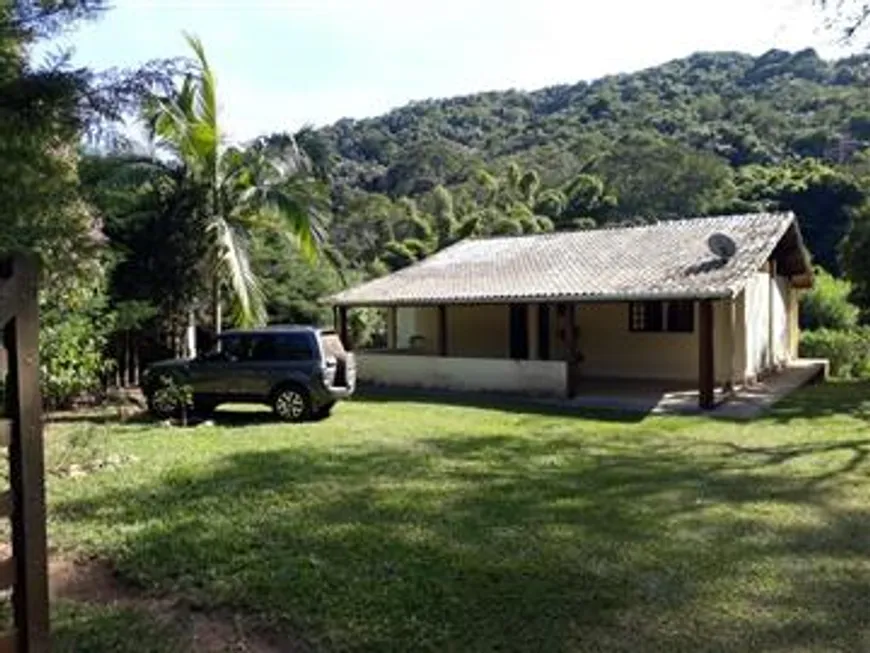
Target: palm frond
(233,259)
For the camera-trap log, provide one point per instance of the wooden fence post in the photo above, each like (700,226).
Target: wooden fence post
(26,571)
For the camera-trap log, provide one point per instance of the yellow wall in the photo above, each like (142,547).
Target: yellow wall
(608,347)
(794,332)
(474,331)
(610,350)
(481,331)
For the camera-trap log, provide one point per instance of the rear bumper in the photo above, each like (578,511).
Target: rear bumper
(341,392)
(327,395)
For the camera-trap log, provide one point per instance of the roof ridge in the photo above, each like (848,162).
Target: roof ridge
(605,227)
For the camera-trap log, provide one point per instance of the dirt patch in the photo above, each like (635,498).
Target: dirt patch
(94,581)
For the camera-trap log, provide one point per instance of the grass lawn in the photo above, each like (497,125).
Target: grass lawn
(409,526)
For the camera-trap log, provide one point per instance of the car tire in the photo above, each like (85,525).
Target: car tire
(291,403)
(204,409)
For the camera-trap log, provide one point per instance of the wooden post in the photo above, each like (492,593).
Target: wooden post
(706,371)
(393,319)
(570,350)
(27,569)
(343,331)
(442,330)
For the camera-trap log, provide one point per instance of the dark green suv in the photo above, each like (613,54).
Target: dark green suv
(299,371)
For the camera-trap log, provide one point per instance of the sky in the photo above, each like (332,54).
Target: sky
(283,64)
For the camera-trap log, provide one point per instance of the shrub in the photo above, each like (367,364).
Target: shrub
(827,305)
(72,340)
(848,351)
(176,395)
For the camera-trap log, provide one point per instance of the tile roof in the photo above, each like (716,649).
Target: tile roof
(667,260)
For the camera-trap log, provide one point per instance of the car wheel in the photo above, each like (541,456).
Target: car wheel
(291,404)
(204,408)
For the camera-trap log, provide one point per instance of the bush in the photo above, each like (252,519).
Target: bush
(848,351)
(827,305)
(75,323)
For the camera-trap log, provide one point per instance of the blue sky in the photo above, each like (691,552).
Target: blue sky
(281,64)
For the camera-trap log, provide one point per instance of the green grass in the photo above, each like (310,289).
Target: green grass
(78,627)
(410,526)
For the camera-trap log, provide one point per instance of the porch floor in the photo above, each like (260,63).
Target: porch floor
(662,398)
(634,397)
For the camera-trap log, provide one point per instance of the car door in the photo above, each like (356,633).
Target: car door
(212,375)
(277,357)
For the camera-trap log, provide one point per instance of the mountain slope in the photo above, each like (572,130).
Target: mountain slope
(741,108)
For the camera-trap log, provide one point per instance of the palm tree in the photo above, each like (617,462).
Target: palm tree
(234,191)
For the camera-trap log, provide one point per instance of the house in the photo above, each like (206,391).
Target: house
(704,302)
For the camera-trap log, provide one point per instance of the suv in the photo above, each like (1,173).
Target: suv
(299,371)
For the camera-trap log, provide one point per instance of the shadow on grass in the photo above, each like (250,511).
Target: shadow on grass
(502,402)
(844,398)
(506,542)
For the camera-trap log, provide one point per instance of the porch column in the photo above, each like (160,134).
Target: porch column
(534,340)
(570,349)
(706,371)
(343,332)
(393,328)
(442,330)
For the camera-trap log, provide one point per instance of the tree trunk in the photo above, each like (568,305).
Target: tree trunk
(191,334)
(136,362)
(128,361)
(216,304)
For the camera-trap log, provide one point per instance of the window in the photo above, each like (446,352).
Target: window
(673,317)
(234,347)
(283,347)
(681,317)
(645,316)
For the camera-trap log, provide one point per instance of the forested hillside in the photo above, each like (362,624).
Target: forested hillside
(710,133)
(740,108)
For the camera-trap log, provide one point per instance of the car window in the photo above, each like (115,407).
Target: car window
(235,347)
(283,347)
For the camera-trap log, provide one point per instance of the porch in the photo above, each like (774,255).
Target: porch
(625,397)
(701,349)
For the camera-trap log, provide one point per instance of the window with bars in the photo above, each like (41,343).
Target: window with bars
(646,316)
(673,316)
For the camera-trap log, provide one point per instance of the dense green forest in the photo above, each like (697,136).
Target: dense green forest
(710,133)
(142,242)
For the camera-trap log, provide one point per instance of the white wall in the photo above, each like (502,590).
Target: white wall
(769,310)
(757,323)
(481,374)
(781,331)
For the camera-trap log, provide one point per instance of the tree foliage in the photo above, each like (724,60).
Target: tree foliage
(827,305)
